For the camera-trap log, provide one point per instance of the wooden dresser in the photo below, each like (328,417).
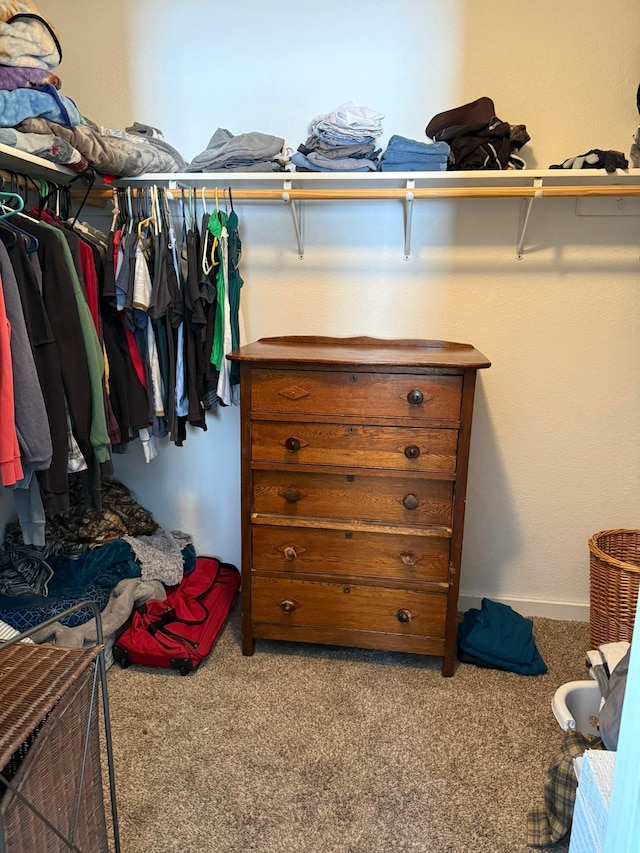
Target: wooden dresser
(354,474)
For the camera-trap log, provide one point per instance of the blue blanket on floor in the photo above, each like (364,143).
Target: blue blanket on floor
(499,637)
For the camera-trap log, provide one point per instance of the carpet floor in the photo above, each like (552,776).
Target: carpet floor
(335,750)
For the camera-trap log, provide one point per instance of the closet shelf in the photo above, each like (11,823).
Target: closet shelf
(24,163)
(484,181)
(293,188)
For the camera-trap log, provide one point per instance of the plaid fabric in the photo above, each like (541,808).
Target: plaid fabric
(550,822)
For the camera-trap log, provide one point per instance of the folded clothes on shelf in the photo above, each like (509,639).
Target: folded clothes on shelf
(343,140)
(410,155)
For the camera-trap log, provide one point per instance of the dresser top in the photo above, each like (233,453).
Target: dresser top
(305,349)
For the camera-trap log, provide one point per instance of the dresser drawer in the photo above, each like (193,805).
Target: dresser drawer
(381,395)
(355,553)
(355,446)
(296,603)
(380,498)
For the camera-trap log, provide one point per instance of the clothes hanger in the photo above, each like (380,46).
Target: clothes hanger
(10,203)
(116,209)
(88,177)
(31,242)
(162,210)
(143,223)
(206,266)
(129,211)
(7,196)
(154,219)
(184,215)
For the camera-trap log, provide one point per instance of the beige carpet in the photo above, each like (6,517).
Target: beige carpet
(333,750)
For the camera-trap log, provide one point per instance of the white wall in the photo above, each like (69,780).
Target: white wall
(555,446)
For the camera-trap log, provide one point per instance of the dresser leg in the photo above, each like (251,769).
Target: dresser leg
(448,664)
(248,645)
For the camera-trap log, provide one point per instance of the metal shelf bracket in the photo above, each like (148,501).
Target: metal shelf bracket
(294,214)
(527,203)
(408,216)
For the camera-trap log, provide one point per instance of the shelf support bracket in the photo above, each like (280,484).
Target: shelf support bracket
(408,216)
(294,215)
(537,183)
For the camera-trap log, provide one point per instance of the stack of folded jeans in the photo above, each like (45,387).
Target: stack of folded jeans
(409,155)
(341,141)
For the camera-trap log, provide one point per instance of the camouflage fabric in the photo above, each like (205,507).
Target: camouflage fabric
(77,530)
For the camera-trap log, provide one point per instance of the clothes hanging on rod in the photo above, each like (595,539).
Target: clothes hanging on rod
(106,338)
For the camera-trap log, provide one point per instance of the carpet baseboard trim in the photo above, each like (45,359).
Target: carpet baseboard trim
(549,609)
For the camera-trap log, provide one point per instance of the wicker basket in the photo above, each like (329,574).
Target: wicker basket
(46,698)
(615,580)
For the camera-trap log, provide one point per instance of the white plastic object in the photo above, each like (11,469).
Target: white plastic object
(574,702)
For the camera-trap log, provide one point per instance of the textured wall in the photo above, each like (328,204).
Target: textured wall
(555,448)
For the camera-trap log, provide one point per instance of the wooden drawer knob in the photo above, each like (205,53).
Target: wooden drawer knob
(287,605)
(292,444)
(415,397)
(410,502)
(408,558)
(404,616)
(412,451)
(291,495)
(290,552)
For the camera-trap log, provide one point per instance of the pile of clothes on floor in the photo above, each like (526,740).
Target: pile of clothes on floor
(496,637)
(343,140)
(117,557)
(35,117)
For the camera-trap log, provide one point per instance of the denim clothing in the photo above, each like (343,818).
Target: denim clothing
(410,155)
(431,165)
(401,144)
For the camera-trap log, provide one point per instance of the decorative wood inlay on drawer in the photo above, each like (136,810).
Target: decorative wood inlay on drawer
(351,606)
(340,552)
(355,446)
(293,393)
(392,395)
(376,498)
